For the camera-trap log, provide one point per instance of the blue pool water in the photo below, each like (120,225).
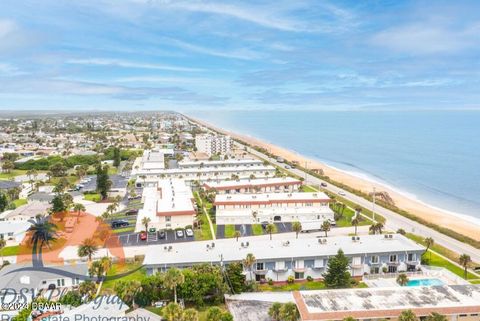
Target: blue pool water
(425,282)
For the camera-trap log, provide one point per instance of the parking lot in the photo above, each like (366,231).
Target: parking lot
(133,239)
(246,229)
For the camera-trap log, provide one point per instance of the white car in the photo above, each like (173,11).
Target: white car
(342,193)
(180,233)
(189,232)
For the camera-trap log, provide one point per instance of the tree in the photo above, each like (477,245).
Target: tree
(7,166)
(43,232)
(355,222)
(87,249)
(190,315)
(2,245)
(214,314)
(128,290)
(103,182)
(297,227)
(226,316)
(58,169)
(58,204)
(235,277)
(376,227)
(3,202)
(96,269)
(407,315)
(337,275)
(77,207)
(326,226)
(289,312)
(145,222)
(429,242)
(402,279)
(237,234)
(174,278)
(116,157)
(464,261)
(87,288)
(271,228)
(248,263)
(73,298)
(434,316)
(173,312)
(274,311)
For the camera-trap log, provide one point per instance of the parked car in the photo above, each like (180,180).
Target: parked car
(161,234)
(180,233)
(131,212)
(143,236)
(136,197)
(264,225)
(189,232)
(119,223)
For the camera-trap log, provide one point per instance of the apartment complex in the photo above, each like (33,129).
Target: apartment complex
(272,207)
(279,259)
(259,185)
(213,145)
(168,205)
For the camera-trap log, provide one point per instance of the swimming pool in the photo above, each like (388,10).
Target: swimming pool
(425,282)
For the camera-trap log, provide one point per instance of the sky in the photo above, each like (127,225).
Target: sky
(189,55)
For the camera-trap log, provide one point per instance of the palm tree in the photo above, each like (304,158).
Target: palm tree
(297,227)
(434,316)
(349,319)
(87,249)
(326,226)
(289,312)
(248,263)
(173,278)
(274,311)
(271,228)
(77,207)
(145,222)
(407,315)
(172,312)
(106,263)
(87,288)
(464,261)
(43,233)
(2,245)
(190,315)
(355,222)
(429,243)
(131,290)
(376,227)
(237,234)
(402,279)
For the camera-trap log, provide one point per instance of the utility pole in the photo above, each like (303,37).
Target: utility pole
(306,170)
(373,207)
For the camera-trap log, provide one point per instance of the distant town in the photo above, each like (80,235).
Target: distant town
(157,215)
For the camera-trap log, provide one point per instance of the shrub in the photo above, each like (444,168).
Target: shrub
(309,278)
(290,279)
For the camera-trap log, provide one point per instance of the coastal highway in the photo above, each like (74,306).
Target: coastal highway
(394,220)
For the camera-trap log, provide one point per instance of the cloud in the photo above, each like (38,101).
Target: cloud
(9,70)
(6,27)
(128,64)
(428,38)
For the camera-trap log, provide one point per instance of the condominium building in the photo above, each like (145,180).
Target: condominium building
(272,207)
(258,185)
(300,258)
(168,205)
(213,145)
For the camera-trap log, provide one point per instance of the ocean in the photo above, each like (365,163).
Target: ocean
(432,156)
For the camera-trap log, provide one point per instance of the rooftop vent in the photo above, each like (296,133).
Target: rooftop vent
(25,279)
(322,241)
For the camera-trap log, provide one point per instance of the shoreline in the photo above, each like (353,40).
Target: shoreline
(461,223)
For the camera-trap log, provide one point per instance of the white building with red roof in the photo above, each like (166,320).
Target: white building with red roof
(272,207)
(168,205)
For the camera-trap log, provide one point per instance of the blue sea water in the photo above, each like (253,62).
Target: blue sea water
(432,155)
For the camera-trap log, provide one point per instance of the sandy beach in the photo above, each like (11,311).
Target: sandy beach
(454,222)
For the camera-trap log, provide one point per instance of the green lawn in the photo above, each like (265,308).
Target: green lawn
(229,231)
(346,219)
(124,230)
(477,281)
(308,189)
(92,197)
(71,179)
(436,260)
(365,211)
(10,250)
(116,269)
(112,170)
(20,202)
(12,174)
(298,286)
(257,229)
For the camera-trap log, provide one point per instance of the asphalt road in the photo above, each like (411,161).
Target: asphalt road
(394,220)
(133,239)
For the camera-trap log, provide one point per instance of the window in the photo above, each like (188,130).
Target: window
(260,266)
(299,275)
(411,257)
(374,259)
(392,269)
(168,218)
(393,258)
